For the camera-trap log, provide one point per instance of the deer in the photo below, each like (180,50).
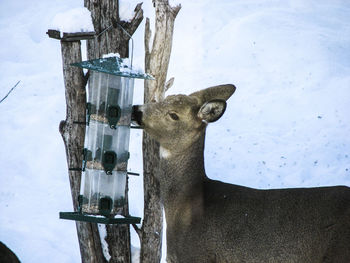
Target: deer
(212,221)
(6,255)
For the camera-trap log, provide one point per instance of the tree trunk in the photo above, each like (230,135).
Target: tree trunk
(73,137)
(105,14)
(115,40)
(156,64)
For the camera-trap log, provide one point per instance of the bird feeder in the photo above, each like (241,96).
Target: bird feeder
(106,152)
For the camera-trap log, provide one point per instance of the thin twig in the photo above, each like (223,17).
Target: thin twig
(137,230)
(86,78)
(10,91)
(169,84)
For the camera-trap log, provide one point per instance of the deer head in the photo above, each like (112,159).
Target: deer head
(211,221)
(180,120)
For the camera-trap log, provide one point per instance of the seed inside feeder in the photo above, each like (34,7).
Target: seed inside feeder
(124,119)
(122,166)
(93,206)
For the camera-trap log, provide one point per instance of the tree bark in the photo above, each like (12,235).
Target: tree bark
(73,137)
(105,13)
(115,40)
(156,64)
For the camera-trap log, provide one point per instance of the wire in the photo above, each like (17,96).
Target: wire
(115,24)
(132,43)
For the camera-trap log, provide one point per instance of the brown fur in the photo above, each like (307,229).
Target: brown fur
(212,221)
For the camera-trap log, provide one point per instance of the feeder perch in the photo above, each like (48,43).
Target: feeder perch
(106,152)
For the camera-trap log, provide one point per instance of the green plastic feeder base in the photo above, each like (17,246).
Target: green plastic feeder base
(99,219)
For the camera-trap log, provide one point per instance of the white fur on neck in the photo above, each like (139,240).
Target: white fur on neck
(164,153)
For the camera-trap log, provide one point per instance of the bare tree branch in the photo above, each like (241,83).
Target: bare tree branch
(169,84)
(148,34)
(136,20)
(8,93)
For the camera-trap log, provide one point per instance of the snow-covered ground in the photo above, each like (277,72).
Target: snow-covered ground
(287,125)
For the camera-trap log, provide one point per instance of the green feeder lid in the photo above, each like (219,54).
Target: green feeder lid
(114,66)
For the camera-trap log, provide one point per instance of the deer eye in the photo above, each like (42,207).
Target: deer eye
(173,116)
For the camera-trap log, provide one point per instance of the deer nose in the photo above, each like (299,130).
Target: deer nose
(136,115)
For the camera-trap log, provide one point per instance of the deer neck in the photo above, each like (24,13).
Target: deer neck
(181,180)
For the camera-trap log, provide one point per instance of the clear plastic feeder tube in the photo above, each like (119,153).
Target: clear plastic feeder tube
(107,137)
(102,193)
(100,141)
(110,98)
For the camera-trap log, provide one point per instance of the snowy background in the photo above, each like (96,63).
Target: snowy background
(287,125)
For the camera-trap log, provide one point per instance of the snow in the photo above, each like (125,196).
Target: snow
(119,216)
(103,234)
(73,21)
(109,55)
(135,254)
(287,125)
(174,3)
(126,66)
(126,9)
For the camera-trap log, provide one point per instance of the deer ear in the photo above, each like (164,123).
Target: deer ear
(212,110)
(222,92)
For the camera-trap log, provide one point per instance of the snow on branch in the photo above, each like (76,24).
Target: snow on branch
(73,21)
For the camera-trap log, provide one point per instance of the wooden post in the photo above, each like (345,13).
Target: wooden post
(156,64)
(73,136)
(113,40)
